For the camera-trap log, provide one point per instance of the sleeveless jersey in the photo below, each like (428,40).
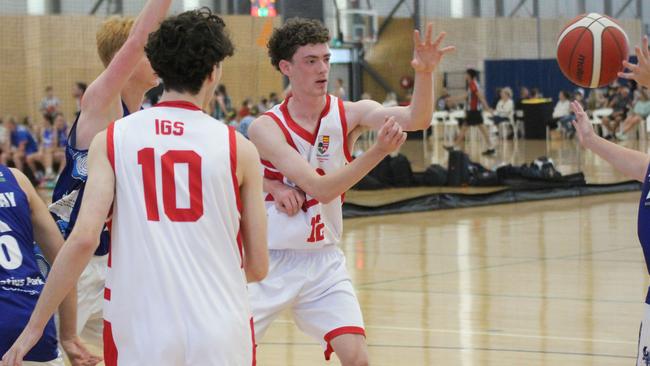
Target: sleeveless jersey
(643,224)
(316,225)
(69,189)
(175,280)
(21,281)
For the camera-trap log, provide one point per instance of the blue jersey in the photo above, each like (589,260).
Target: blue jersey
(20,135)
(69,189)
(21,281)
(47,137)
(643,224)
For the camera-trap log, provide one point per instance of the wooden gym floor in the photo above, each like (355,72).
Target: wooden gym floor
(558,282)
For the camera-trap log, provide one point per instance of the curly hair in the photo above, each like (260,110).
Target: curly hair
(186,47)
(296,32)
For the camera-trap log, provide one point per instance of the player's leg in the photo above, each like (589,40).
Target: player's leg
(328,310)
(276,292)
(461,134)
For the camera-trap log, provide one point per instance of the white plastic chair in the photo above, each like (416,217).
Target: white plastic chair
(597,117)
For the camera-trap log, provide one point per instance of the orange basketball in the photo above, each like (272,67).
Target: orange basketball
(591,49)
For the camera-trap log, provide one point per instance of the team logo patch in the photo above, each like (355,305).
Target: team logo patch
(323,144)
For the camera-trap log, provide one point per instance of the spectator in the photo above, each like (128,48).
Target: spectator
(524,94)
(262,106)
(221,104)
(536,93)
(444,102)
(596,100)
(339,90)
(505,106)
(562,110)
(620,104)
(245,109)
(22,146)
(246,121)
(273,100)
(639,113)
(50,105)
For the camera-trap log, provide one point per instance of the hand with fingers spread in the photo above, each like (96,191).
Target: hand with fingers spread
(427,54)
(77,352)
(583,127)
(390,136)
(641,71)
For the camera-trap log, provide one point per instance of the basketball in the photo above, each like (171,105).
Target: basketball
(591,49)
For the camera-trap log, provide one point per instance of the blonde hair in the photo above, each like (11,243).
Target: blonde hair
(111,36)
(507,90)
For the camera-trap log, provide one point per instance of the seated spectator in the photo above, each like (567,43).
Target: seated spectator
(620,104)
(536,93)
(596,100)
(245,109)
(505,106)
(246,121)
(524,94)
(562,110)
(22,145)
(50,104)
(262,106)
(639,113)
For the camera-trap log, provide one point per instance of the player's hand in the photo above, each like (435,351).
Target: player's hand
(288,200)
(641,71)
(583,127)
(22,345)
(77,352)
(390,136)
(427,54)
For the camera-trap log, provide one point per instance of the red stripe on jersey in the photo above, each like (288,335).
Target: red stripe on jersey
(308,204)
(110,145)
(286,133)
(267,164)
(110,350)
(273,175)
(232,141)
(107,293)
(254,345)
(109,226)
(269,198)
(179,104)
(338,332)
(298,129)
(344,126)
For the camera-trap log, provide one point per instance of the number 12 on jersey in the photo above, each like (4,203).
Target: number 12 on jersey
(146,158)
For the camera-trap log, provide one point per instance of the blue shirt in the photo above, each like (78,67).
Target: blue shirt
(21,281)
(20,135)
(69,189)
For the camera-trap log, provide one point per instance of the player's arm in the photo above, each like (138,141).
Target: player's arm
(630,162)
(76,252)
(102,92)
(639,72)
(253,221)
(271,143)
(416,116)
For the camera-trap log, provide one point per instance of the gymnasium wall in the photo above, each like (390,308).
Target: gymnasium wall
(476,40)
(36,51)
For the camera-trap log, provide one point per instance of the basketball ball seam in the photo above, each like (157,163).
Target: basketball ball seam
(578,42)
(618,46)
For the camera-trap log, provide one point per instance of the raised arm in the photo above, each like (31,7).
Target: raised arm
(76,251)
(632,163)
(105,90)
(417,116)
(271,143)
(253,221)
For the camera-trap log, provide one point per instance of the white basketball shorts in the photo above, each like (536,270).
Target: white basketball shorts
(90,301)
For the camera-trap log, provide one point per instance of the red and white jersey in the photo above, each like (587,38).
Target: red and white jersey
(317,225)
(175,288)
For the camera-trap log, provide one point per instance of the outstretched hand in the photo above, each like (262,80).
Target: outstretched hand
(639,72)
(583,127)
(78,354)
(427,54)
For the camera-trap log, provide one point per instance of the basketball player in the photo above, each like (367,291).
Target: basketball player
(305,143)
(24,219)
(176,284)
(120,88)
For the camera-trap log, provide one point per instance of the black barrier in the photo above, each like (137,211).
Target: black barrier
(443,201)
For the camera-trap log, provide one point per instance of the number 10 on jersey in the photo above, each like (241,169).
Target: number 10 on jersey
(146,158)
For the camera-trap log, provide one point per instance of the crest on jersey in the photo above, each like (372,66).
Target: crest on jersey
(323,144)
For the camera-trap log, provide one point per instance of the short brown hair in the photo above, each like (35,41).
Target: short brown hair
(294,33)
(111,36)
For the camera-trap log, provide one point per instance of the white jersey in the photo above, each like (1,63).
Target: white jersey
(316,225)
(175,288)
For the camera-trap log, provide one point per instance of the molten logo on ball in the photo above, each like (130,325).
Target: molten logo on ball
(591,50)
